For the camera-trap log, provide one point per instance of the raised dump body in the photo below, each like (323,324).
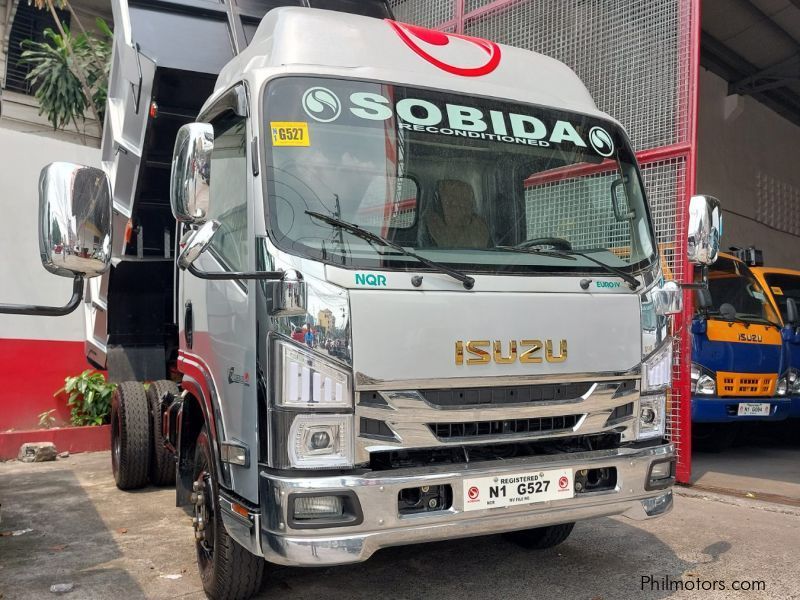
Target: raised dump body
(167,55)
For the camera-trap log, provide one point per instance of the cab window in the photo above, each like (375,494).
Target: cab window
(229,191)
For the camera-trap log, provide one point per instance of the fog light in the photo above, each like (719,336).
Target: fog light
(317,507)
(661,471)
(661,475)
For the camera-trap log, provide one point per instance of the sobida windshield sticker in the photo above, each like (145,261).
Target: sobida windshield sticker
(457,120)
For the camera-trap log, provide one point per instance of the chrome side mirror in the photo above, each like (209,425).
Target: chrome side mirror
(195,242)
(191,169)
(704,230)
(74,220)
(289,296)
(668,300)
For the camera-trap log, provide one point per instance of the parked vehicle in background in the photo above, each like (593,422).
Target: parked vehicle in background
(477,249)
(782,286)
(737,356)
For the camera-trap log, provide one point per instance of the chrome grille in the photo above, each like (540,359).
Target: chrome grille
(518,394)
(437,417)
(478,429)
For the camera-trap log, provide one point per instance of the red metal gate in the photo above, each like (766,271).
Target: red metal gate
(639,59)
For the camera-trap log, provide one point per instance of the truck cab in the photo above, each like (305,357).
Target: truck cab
(737,355)
(414,294)
(782,287)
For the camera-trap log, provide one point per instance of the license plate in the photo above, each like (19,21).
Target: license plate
(753,409)
(519,488)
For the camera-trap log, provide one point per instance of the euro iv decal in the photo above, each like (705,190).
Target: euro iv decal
(484,352)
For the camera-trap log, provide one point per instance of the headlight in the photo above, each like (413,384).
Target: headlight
(703,381)
(782,387)
(306,380)
(793,382)
(652,416)
(657,369)
(321,442)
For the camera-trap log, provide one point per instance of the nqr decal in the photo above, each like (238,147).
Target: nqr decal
(429,44)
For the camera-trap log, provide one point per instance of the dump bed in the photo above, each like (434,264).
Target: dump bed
(167,54)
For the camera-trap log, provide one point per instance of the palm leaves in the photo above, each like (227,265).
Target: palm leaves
(68,72)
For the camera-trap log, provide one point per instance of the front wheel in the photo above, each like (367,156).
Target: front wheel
(541,538)
(228,571)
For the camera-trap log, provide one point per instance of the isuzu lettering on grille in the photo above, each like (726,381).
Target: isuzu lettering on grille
(483,352)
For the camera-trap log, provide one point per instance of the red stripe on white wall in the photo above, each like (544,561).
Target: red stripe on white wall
(31,371)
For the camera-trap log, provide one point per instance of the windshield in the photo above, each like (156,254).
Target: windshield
(731,282)
(783,287)
(458,180)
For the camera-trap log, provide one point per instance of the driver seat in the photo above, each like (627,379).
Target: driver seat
(458,225)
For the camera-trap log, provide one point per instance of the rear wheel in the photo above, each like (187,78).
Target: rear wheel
(130,436)
(162,462)
(541,538)
(228,571)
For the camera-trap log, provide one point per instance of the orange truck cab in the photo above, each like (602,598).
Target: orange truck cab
(737,355)
(782,287)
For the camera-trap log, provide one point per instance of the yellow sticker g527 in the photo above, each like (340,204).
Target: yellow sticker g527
(776,290)
(289,133)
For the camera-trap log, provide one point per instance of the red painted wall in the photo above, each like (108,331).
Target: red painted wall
(30,372)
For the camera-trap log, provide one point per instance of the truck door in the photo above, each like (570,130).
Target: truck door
(217,318)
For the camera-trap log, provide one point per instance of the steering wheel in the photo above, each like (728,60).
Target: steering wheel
(555,242)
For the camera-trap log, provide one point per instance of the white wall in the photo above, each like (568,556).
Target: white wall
(752,153)
(22,277)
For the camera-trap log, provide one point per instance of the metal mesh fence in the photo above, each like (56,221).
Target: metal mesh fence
(427,13)
(627,53)
(578,209)
(665,183)
(635,57)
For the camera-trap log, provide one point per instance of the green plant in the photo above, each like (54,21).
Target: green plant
(46,419)
(70,73)
(89,396)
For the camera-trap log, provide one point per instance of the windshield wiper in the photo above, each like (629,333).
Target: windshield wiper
(632,282)
(467,281)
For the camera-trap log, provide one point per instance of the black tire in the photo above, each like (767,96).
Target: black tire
(228,571)
(130,436)
(714,437)
(162,461)
(541,538)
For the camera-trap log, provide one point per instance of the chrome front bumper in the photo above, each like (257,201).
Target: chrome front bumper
(383,526)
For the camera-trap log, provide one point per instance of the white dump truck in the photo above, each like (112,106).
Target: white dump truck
(393,285)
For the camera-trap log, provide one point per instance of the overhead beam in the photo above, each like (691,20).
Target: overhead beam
(776,75)
(728,64)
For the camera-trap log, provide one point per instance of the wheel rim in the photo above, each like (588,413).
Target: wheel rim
(204,521)
(116,444)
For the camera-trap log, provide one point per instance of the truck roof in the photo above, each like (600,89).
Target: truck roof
(321,42)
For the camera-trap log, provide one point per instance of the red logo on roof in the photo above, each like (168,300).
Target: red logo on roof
(413,36)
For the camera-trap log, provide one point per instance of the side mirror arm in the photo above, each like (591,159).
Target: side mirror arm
(229,275)
(48,311)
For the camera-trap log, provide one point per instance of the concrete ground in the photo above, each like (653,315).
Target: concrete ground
(763,464)
(74,526)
